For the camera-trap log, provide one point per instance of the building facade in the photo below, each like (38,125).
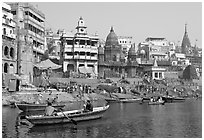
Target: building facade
(126,43)
(9,48)
(155,48)
(79,51)
(112,61)
(30,37)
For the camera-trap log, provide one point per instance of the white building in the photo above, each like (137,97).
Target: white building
(79,51)
(155,48)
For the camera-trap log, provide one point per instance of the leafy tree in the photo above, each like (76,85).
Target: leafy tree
(190,73)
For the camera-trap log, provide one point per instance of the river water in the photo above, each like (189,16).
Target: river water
(121,120)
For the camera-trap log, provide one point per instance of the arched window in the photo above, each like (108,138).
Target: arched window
(6,51)
(12,52)
(5,68)
(114,57)
(11,69)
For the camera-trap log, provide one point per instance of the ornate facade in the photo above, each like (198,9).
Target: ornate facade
(79,51)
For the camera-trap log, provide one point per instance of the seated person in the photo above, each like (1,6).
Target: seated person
(50,110)
(88,106)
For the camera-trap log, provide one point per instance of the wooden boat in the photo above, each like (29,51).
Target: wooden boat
(173,99)
(76,115)
(111,100)
(156,103)
(36,107)
(131,100)
(178,99)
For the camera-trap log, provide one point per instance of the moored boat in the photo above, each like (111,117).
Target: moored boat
(156,103)
(173,99)
(68,116)
(131,100)
(111,100)
(36,107)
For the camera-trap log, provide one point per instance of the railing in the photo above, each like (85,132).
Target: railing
(8,22)
(37,49)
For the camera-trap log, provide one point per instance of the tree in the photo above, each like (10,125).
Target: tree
(50,48)
(190,73)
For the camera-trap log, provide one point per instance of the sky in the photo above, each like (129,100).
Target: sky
(137,19)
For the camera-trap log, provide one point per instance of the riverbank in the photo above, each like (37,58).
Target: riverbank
(174,87)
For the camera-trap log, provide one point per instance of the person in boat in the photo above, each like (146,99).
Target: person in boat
(160,99)
(151,99)
(88,106)
(50,110)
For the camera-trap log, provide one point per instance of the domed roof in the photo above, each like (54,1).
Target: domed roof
(132,51)
(112,38)
(100,50)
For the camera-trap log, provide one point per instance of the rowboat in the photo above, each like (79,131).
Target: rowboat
(173,99)
(68,116)
(156,103)
(36,107)
(111,100)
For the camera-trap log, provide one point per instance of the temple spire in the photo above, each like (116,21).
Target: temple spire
(185,28)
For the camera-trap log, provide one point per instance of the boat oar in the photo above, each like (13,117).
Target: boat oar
(73,121)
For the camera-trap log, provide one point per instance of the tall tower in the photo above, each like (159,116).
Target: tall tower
(81,28)
(186,45)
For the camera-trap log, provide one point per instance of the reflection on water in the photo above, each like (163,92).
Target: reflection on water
(121,120)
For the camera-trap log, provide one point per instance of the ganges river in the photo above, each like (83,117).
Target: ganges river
(121,120)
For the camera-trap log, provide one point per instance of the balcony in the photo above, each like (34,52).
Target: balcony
(94,58)
(39,25)
(68,56)
(68,48)
(13,36)
(36,36)
(38,49)
(8,22)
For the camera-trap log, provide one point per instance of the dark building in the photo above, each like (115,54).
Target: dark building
(111,59)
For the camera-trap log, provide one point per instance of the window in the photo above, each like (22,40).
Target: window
(13,12)
(81,53)
(5,68)
(160,75)
(156,75)
(69,42)
(12,52)
(6,51)
(4,31)
(69,53)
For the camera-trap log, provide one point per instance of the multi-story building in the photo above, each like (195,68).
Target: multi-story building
(9,48)
(30,37)
(79,51)
(126,43)
(158,48)
(53,42)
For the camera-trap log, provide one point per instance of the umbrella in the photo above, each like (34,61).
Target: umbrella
(43,65)
(108,88)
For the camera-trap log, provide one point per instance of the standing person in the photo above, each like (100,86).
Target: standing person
(88,106)
(50,110)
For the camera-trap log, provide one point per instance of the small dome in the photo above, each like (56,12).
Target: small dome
(132,51)
(112,38)
(100,50)
(142,51)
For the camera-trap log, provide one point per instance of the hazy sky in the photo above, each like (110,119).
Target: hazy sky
(136,19)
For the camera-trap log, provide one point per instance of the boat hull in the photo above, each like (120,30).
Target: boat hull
(156,103)
(76,115)
(131,100)
(36,107)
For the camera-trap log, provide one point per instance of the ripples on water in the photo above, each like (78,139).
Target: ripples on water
(130,120)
